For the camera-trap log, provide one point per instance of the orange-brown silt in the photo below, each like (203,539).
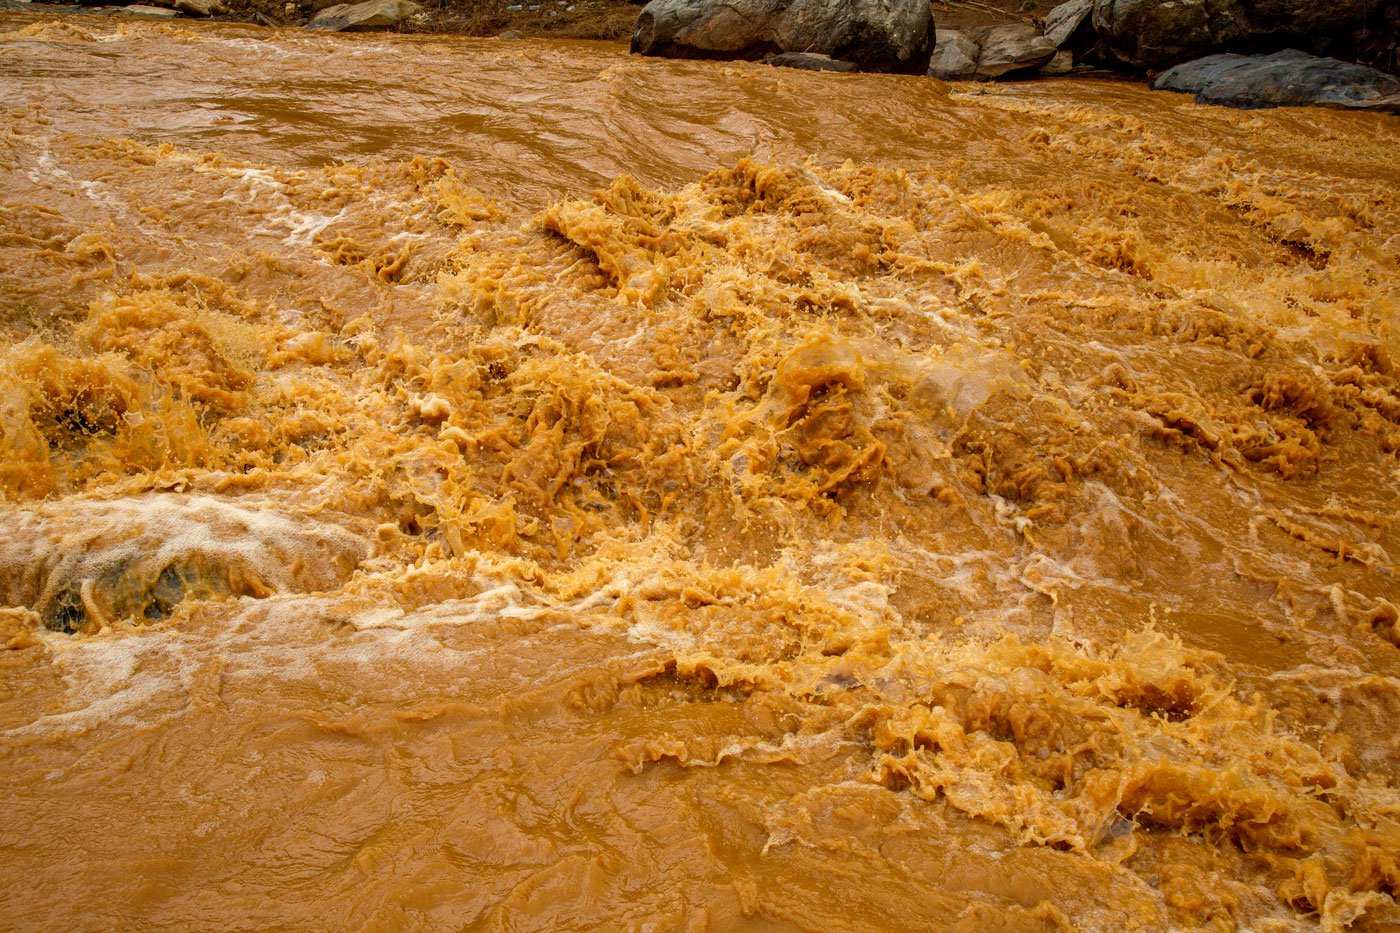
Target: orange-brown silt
(469,484)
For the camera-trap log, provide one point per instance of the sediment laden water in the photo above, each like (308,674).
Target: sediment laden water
(514,486)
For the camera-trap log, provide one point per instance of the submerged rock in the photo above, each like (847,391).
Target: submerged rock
(1285,79)
(1012,48)
(372,14)
(139,558)
(876,35)
(954,57)
(809,61)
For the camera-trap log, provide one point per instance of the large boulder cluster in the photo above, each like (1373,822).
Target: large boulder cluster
(874,35)
(1142,35)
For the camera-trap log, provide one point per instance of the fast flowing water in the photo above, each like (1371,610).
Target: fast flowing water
(502,485)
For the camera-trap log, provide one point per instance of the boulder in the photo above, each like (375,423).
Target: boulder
(877,35)
(809,61)
(1309,17)
(1013,48)
(195,7)
(1157,34)
(1284,79)
(372,14)
(1066,21)
(139,9)
(954,57)
(1162,33)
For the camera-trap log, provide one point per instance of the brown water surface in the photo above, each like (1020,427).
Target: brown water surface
(498,485)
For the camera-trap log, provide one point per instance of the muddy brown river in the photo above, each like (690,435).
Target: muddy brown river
(474,484)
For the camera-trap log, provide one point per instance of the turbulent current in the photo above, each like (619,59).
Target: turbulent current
(473,484)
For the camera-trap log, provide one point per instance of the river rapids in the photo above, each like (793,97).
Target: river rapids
(475,484)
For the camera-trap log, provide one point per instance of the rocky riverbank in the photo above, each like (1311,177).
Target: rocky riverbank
(569,19)
(1346,51)
(572,19)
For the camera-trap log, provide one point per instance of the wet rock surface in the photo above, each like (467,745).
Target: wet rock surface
(877,35)
(1284,79)
(810,61)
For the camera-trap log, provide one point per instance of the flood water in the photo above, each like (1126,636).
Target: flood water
(474,484)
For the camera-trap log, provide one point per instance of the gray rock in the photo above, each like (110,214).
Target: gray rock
(1284,79)
(139,9)
(1065,20)
(954,57)
(877,35)
(372,14)
(1061,64)
(809,61)
(1013,48)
